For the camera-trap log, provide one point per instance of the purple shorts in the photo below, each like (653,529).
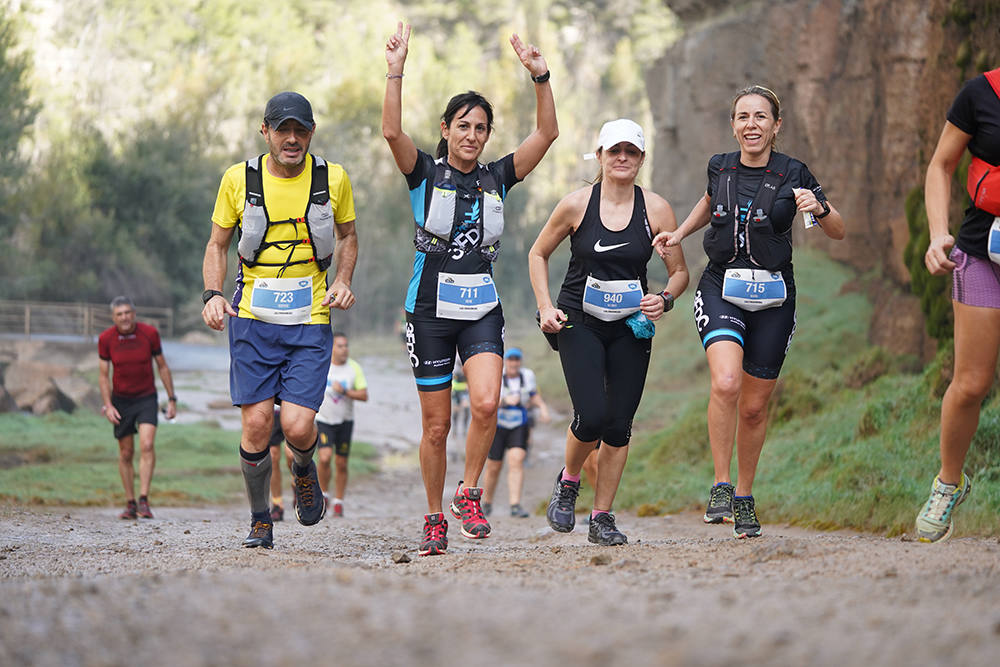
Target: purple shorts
(975,281)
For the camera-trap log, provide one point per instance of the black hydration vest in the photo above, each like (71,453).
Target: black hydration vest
(766,248)
(318,220)
(440,212)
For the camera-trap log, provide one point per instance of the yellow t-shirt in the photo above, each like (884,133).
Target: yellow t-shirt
(285,198)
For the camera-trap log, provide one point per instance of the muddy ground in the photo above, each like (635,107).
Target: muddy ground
(81,587)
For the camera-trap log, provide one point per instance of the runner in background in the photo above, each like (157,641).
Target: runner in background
(345,383)
(275,446)
(460,401)
(129,398)
(518,396)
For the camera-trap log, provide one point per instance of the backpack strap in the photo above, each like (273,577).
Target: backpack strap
(774,176)
(255,182)
(254,195)
(319,190)
(993,76)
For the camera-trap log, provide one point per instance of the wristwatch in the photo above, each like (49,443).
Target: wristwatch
(668,300)
(826,210)
(541,78)
(207,295)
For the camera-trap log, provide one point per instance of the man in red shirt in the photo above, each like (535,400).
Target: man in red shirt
(130,397)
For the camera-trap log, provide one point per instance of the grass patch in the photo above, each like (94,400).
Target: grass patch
(72,459)
(852,434)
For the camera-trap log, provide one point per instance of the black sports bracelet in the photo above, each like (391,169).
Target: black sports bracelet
(668,300)
(541,78)
(208,294)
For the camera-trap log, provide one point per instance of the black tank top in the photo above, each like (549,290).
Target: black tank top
(606,255)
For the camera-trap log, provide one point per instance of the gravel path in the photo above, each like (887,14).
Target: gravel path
(81,587)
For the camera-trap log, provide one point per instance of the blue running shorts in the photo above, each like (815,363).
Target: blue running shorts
(287,361)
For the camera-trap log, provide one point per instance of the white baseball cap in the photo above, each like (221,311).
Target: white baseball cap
(616,131)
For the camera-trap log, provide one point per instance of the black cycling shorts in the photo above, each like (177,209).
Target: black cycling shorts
(431,344)
(337,436)
(134,411)
(765,335)
(505,439)
(605,368)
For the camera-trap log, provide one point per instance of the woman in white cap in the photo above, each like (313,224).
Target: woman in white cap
(744,307)
(602,319)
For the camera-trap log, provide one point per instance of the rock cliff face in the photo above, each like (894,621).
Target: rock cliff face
(864,87)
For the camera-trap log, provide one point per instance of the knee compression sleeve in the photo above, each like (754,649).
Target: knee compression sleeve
(257,476)
(302,457)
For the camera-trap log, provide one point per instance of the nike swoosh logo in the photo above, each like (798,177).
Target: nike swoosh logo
(604,248)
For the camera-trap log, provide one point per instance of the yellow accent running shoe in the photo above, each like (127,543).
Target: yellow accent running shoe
(934,522)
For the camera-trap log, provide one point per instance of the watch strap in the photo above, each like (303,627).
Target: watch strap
(207,295)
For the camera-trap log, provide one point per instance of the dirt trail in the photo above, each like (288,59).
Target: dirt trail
(80,587)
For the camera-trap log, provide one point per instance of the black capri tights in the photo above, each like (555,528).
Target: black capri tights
(605,369)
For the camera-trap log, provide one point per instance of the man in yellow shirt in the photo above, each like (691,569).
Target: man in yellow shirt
(292,209)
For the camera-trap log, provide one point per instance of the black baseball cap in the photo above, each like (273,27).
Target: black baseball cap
(288,105)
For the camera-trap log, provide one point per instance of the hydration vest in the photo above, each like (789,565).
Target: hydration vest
(766,248)
(439,220)
(983,180)
(317,219)
(520,376)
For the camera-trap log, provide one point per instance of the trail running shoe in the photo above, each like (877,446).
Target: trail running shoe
(745,517)
(720,504)
(130,511)
(934,522)
(603,531)
(435,535)
(338,508)
(310,506)
(277,513)
(466,508)
(143,510)
(487,507)
(261,533)
(561,513)
(518,512)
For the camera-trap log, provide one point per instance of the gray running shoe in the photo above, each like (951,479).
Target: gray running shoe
(720,504)
(603,531)
(486,507)
(518,512)
(934,522)
(747,524)
(310,506)
(561,513)
(261,533)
